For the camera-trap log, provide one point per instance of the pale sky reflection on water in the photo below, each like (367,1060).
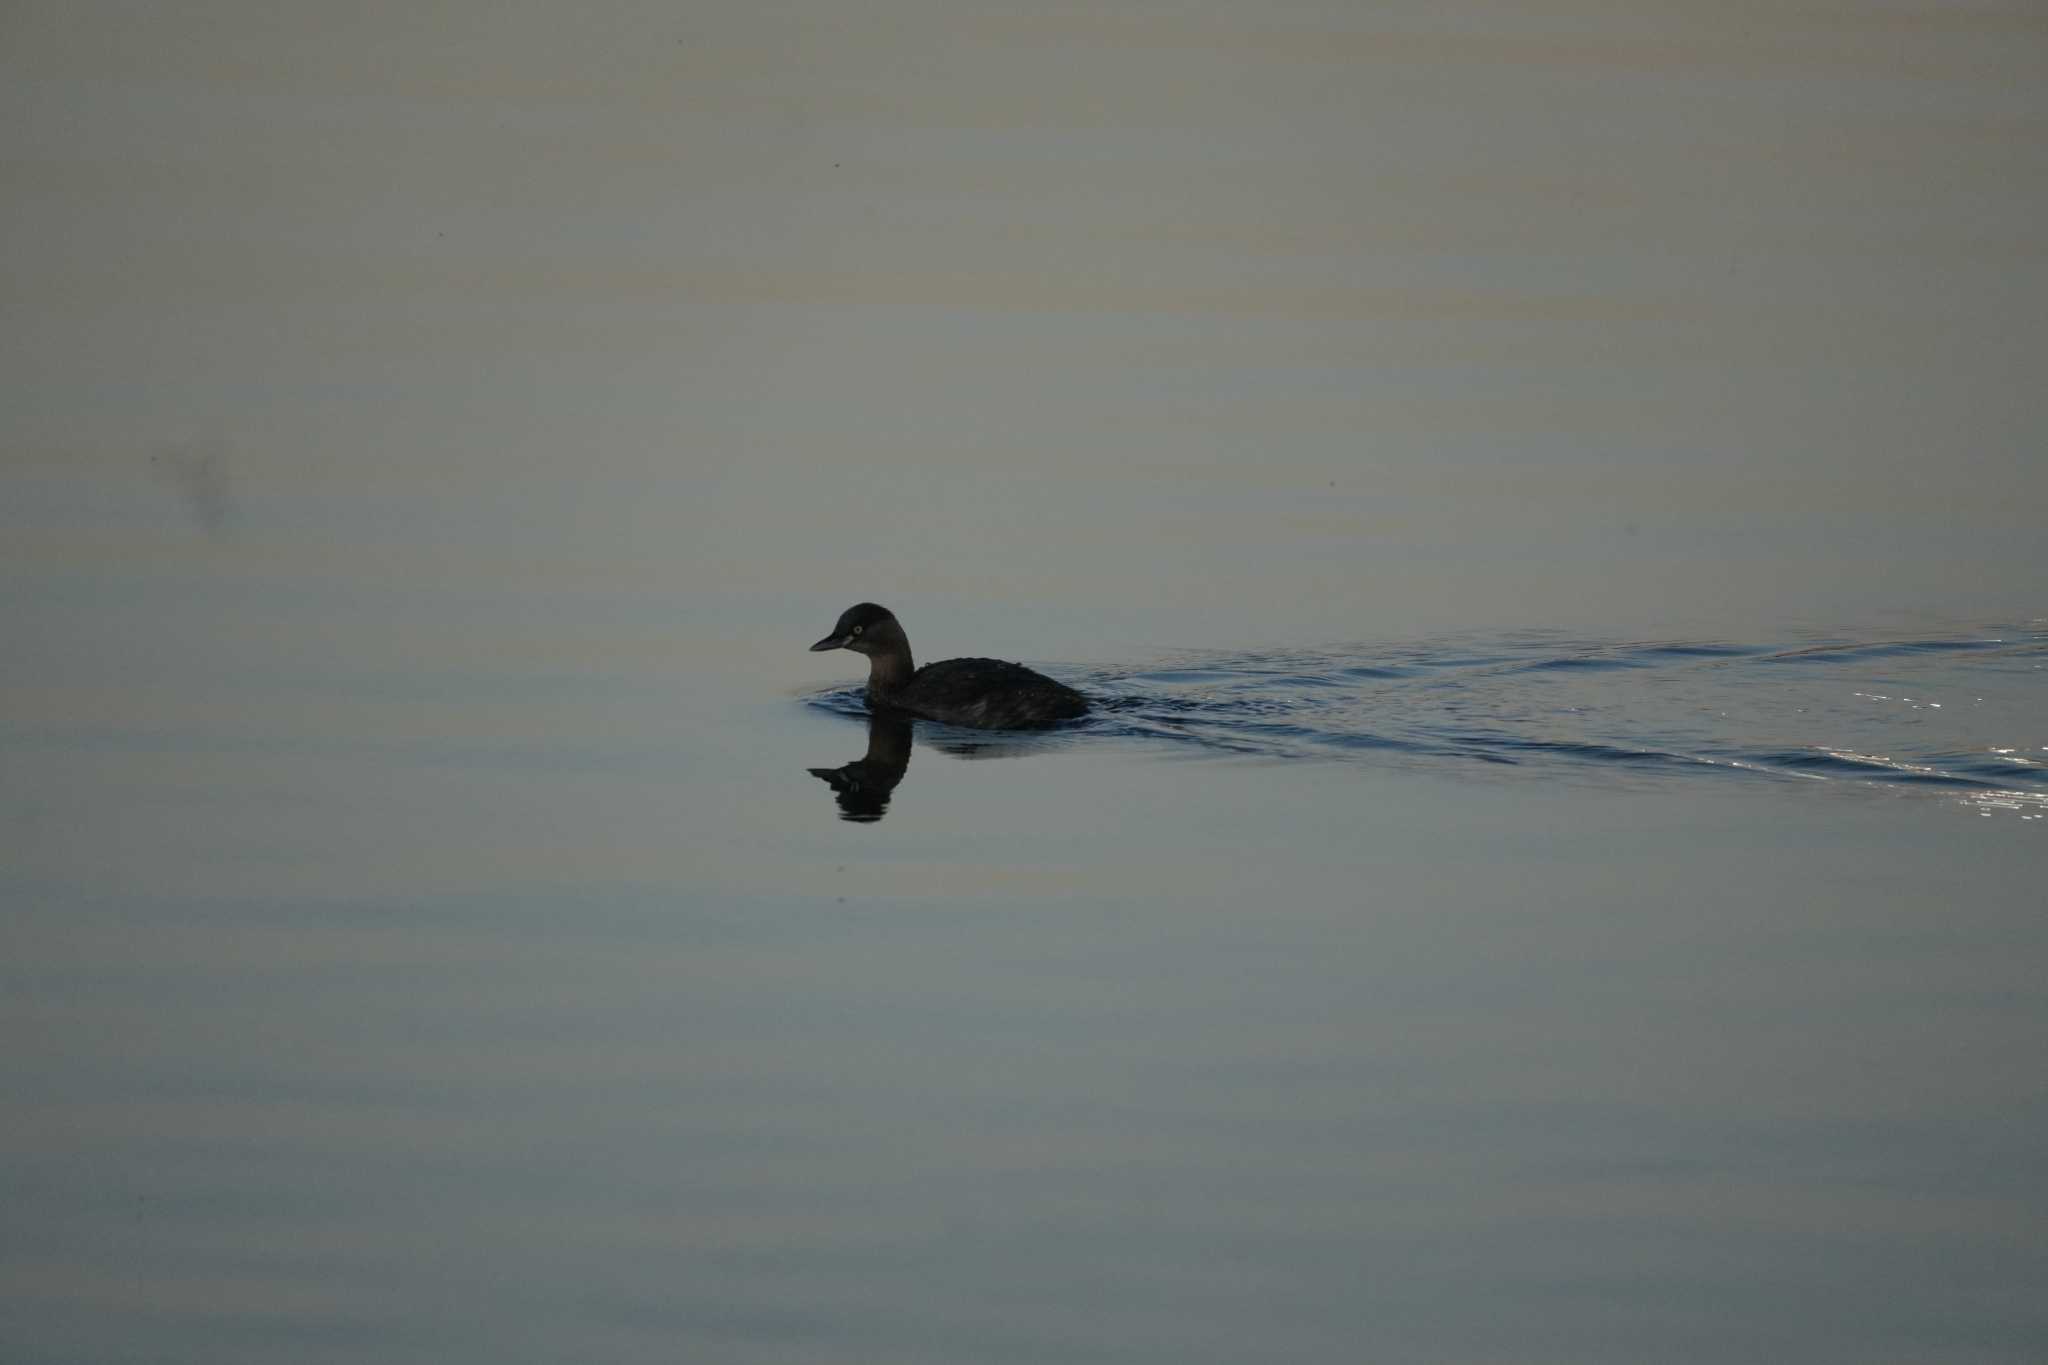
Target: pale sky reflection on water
(1335,322)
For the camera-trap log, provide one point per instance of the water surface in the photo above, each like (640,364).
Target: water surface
(1660,997)
(1548,498)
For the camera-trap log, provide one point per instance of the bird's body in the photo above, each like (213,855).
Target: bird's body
(987,694)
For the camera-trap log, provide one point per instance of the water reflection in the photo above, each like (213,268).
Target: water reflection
(863,786)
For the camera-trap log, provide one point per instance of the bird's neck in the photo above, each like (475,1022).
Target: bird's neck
(888,671)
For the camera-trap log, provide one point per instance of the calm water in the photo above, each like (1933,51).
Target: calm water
(1548,498)
(1509,997)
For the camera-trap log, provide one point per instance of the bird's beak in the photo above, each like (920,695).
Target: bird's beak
(829,642)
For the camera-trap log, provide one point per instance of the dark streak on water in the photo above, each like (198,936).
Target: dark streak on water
(1966,715)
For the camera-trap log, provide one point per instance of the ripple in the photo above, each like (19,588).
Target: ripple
(1572,662)
(1888,649)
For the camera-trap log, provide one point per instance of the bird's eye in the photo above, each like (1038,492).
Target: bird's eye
(858,629)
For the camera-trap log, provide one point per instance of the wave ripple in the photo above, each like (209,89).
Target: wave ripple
(1967,714)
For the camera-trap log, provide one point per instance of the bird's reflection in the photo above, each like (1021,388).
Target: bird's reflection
(863,786)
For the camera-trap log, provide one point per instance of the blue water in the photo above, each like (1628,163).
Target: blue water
(1961,716)
(1492,997)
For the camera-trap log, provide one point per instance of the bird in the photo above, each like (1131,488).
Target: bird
(985,694)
